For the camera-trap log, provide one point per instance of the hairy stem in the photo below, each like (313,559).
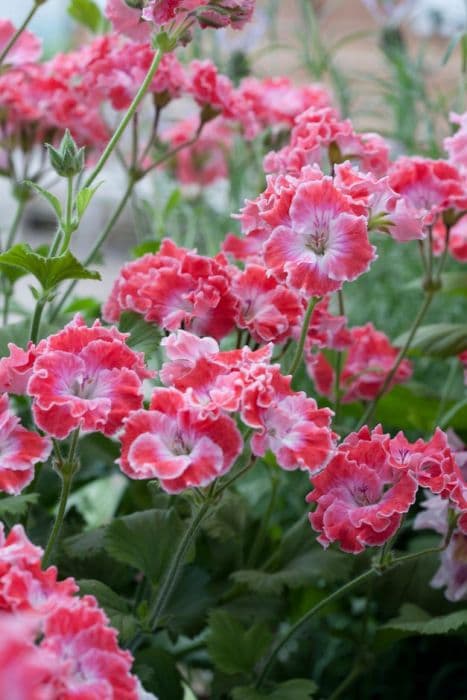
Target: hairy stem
(301,343)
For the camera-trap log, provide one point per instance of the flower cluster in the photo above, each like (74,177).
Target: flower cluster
(187,437)
(54,645)
(79,378)
(368,360)
(372,481)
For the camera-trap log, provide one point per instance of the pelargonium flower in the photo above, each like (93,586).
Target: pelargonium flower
(85,378)
(370,357)
(327,330)
(176,287)
(16,369)
(320,137)
(27,48)
(178,443)
(324,245)
(20,451)
(25,669)
(457,241)
(24,585)
(297,432)
(67,646)
(127,20)
(205,161)
(433,465)
(360,496)
(211,89)
(430,186)
(267,309)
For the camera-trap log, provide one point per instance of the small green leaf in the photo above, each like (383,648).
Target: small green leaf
(87,13)
(157,670)
(88,306)
(83,198)
(144,336)
(438,339)
(17,506)
(145,540)
(51,198)
(48,271)
(172,203)
(145,247)
(234,649)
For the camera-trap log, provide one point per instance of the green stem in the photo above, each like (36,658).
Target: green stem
(9,45)
(171,576)
(97,246)
(368,415)
(68,216)
(36,319)
(301,343)
(356,671)
(127,118)
(271,659)
(15,223)
(54,535)
(66,471)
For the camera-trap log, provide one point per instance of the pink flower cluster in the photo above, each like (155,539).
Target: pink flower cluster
(371,482)
(187,437)
(80,377)
(54,645)
(369,357)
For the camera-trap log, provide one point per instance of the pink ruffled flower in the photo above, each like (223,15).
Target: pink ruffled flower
(297,432)
(267,309)
(205,161)
(16,369)
(430,186)
(24,585)
(321,138)
(127,20)
(369,359)
(67,648)
(20,451)
(324,245)
(176,287)
(85,378)
(360,496)
(27,49)
(26,672)
(178,443)
(211,89)
(327,330)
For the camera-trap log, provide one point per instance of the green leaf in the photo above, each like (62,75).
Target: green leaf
(144,336)
(438,339)
(48,271)
(88,306)
(83,198)
(158,672)
(86,12)
(145,540)
(296,689)
(116,607)
(51,198)
(85,545)
(145,247)
(234,649)
(172,203)
(414,620)
(302,570)
(16,506)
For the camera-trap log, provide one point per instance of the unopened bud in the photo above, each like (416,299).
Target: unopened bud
(68,159)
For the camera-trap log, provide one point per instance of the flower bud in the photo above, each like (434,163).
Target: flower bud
(68,159)
(135,4)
